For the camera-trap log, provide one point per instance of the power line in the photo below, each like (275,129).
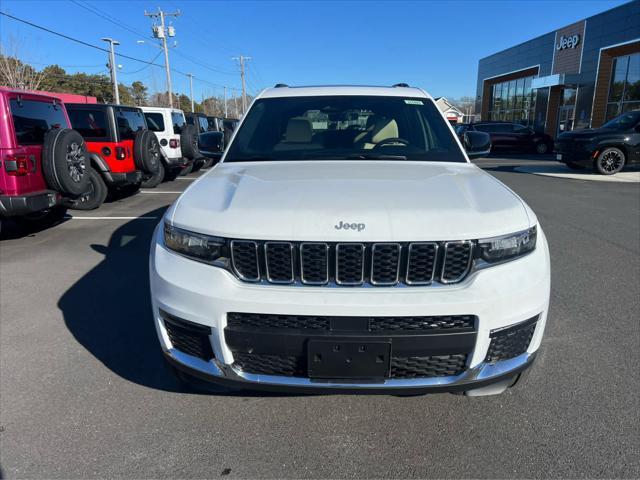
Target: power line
(109,18)
(86,44)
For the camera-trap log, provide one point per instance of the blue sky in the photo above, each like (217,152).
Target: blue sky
(432,44)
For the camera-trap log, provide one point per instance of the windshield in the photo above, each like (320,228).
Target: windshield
(626,121)
(344,127)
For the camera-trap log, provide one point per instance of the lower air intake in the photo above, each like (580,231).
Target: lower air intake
(188,337)
(510,342)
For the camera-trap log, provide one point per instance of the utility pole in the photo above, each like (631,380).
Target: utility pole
(243,59)
(160,32)
(235,101)
(190,75)
(226,114)
(113,67)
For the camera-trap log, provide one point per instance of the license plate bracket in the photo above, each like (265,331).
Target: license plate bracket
(349,359)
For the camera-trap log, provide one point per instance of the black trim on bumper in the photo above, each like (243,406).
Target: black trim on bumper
(120,179)
(15,205)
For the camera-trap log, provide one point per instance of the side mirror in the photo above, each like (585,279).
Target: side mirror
(476,144)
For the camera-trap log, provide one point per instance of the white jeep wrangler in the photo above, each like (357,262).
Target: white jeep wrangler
(178,142)
(346,243)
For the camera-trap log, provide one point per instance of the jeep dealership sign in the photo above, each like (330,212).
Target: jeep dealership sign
(568,42)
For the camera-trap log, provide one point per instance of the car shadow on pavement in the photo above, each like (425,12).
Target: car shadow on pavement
(108,310)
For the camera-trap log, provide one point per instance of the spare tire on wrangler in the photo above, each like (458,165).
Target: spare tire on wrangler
(65,162)
(189,142)
(146,151)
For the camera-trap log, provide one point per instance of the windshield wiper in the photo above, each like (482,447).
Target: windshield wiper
(371,156)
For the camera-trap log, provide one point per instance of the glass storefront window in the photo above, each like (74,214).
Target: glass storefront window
(513,101)
(624,90)
(519,94)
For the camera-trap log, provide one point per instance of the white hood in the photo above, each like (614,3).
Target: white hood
(304,200)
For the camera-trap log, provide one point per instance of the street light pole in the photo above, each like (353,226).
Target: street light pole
(113,68)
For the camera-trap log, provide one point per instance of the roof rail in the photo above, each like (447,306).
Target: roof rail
(281,85)
(404,85)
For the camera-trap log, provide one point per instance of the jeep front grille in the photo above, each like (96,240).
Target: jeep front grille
(351,264)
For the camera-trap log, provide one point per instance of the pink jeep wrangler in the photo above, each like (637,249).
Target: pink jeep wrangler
(43,163)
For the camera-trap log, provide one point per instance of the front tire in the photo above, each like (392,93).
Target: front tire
(155,179)
(97,193)
(610,161)
(542,148)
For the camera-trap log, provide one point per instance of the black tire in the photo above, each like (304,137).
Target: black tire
(610,161)
(541,148)
(186,170)
(171,174)
(209,163)
(65,162)
(198,164)
(95,196)
(146,152)
(156,179)
(189,142)
(42,219)
(574,166)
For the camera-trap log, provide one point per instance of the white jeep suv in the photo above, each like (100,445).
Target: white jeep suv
(346,243)
(178,142)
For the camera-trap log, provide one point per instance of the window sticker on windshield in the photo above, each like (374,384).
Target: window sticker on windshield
(413,102)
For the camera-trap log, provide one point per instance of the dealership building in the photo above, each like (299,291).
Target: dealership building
(578,76)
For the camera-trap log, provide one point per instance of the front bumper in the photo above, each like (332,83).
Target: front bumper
(500,297)
(575,153)
(16,205)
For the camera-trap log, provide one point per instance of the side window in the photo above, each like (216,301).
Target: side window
(129,123)
(89,123)
(204,124)
(485,127)
(520,128)
(503,128)
(32,119)
(155,121)
(178,122)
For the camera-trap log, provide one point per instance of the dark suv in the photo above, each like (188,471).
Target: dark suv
(606,149)
(122,150)
(512,136)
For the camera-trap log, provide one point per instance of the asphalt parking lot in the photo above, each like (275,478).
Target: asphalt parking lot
(84,393)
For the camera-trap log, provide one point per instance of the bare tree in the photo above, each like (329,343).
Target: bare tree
(13,72)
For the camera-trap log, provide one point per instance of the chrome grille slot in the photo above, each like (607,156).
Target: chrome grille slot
(244,259)
(350,263)
(456,262)
(279,262)
(314,263)
(385,263)
(421,263)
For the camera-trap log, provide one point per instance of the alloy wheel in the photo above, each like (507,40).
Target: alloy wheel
(76,162)
(611,161)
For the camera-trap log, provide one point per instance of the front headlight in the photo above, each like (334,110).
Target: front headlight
(196,246)
(507,247)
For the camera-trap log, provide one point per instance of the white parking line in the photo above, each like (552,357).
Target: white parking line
(158,191)
(73,217)
(186,178)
